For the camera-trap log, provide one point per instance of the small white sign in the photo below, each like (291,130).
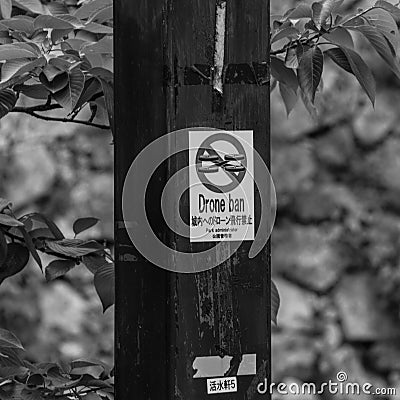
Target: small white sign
(221,189)
(222,385)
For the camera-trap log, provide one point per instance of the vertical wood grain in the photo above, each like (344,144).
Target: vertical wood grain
(165,320)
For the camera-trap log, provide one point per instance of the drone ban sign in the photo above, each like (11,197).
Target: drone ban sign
(221,177)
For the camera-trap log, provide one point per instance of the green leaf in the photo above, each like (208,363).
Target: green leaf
(8,339)
(291,60)
(109,100)
(12,51)
(92,7)
(20,24)
(81,365)
(82,224)
(30,46)
(283,74)
(290,32)
(56,8)
(275,303)
(69,96)
(51,71)
(10,373)
(33,394)
(41,233)
(11,68)
(5,219)
(38,220)
(88,381)
(381,45)
(61,63)
(17,258)
(340,36)
(59,22)
(58,35)
(91,89)
(351,62)
(5,8)
(385,23)
(395,11)
(94,27)
(9,357)
(5,204)
(303,10)
(104,282)
(58,268)
(102,74)
(34,6)
(339,57)
(8,98)
(38,91)
(93,262)
(31,247)
(289,97)
(103,46)
(76,44)
(323,9)
(103,15)
(310,71)
(309,105)
(19,67)
(105,78)
(73,247)
(11,391)
(99,111)
(3,248)
(273,84)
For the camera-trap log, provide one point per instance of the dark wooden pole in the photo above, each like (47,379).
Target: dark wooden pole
(165,79)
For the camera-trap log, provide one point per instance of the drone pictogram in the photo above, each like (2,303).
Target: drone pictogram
(234,165)
(225,164)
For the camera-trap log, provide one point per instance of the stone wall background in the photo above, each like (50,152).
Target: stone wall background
(335,245)
(66,172)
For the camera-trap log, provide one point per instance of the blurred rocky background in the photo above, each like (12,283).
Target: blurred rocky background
(336,253)
(66,172)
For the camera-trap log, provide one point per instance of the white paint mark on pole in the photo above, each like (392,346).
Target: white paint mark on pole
(213,366)
(219,51)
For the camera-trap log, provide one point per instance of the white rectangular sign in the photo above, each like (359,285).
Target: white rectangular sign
(222,385)
(221,178)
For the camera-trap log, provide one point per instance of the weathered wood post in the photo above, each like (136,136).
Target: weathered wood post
(181,64)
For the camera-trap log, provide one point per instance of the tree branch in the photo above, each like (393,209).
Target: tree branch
(41,107)
(33,112)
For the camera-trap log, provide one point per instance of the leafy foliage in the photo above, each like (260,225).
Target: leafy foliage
(275,303)
(22,380)
(60,53)
(305,36)
(34,233)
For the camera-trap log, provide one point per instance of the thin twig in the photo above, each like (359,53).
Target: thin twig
(33,113)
